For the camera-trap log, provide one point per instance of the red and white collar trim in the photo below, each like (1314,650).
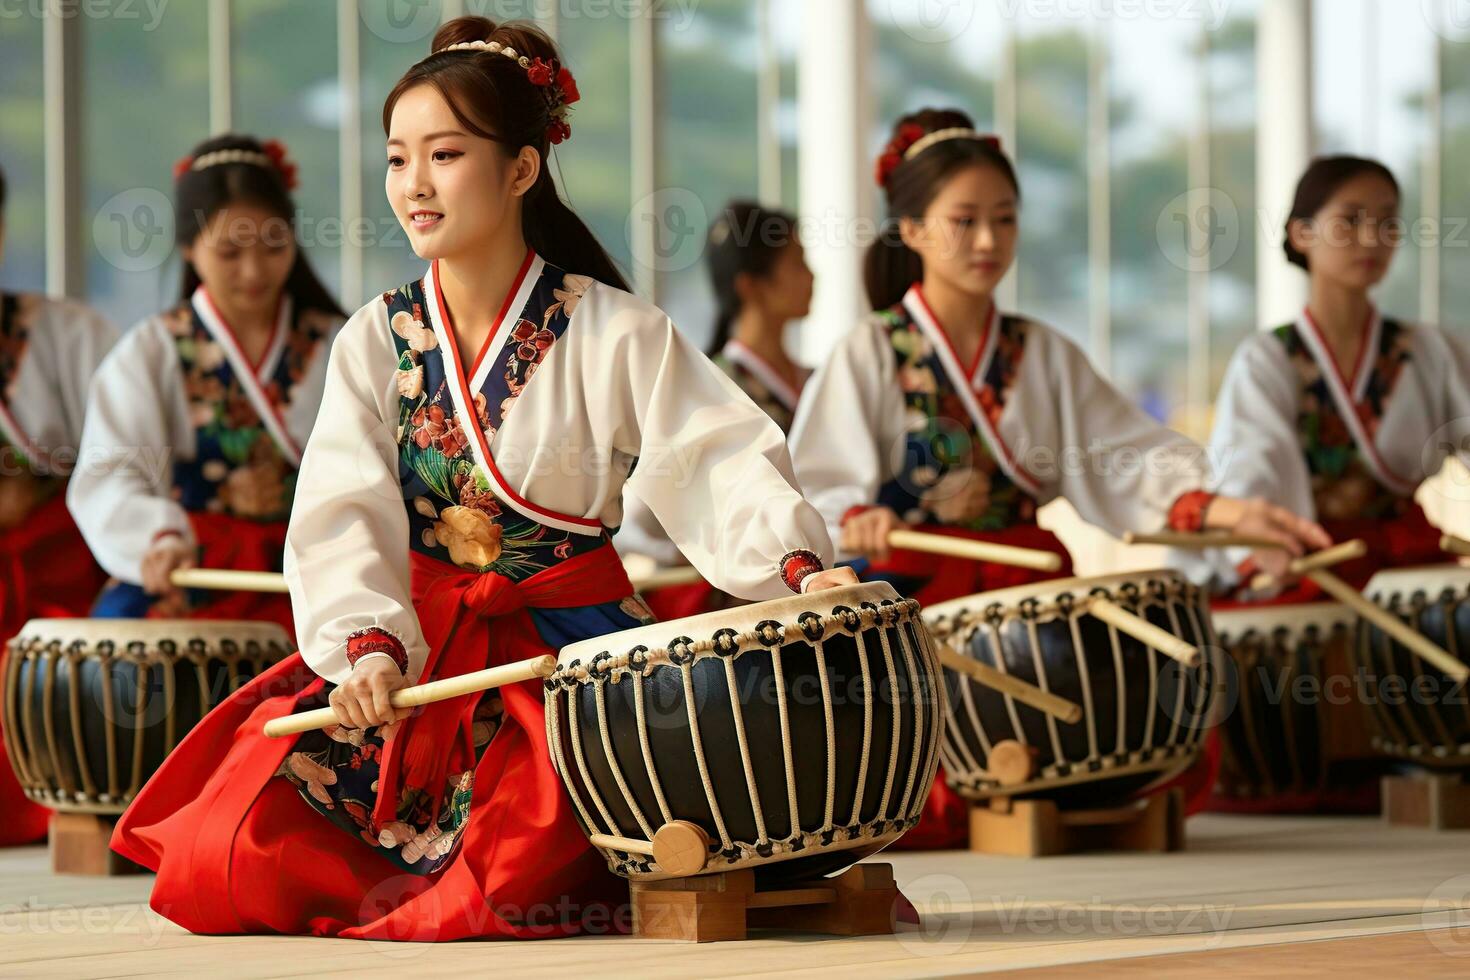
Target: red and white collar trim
(252,376)
(738,353)
(1348,393)
(461,392)
(967,383)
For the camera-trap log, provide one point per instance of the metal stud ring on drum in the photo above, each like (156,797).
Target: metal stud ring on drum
(727,642)
(637,660)
(812,627)
(848,620)
(596,672)
(769,633)
(680,650)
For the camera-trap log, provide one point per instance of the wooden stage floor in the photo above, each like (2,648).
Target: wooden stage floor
(1264,896)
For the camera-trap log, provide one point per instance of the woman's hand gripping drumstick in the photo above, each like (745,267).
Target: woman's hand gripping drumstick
(1314,567)
(364,696)
(877,531)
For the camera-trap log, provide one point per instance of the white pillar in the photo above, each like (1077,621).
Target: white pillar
(834,169)
(1283,149)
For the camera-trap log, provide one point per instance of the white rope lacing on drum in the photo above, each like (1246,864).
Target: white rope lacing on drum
(646,746)
(857,803)
(997,650)
(1039,667)
(1084,677)
(686,670)
(825,681)
(933,677)
(1205,674)
(1184,675)
(738,718)
(897,726)
(575,734)
(916,752)
(1120,691)
(783,711)
(599,690)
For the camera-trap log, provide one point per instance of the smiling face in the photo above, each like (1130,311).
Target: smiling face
(1351,239)
(967,235)
(453,192)
(243,256)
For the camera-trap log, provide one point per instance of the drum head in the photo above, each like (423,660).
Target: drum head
(657,636)
(150,632)
(1045,592)
(1295,619)
(1432,580)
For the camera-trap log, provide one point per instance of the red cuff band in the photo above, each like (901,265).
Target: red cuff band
(1188,512)
(374,640)
(166,533)
(852,512)
(796,566)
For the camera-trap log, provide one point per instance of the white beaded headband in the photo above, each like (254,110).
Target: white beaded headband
(217,157)
(494,47)
(952,133)
(552,78)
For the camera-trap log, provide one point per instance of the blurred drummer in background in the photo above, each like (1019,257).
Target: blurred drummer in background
(48,351)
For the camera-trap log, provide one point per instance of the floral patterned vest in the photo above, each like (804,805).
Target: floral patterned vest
(949,475)
(1343,485)
(454,515)
(238,469)
(17,316)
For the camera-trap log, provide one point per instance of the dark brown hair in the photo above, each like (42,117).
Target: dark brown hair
(492,97)
(890,266)
(745,238)
(200,194)
(1318,184)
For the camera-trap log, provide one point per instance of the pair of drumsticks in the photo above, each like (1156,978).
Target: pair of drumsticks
(1315,568)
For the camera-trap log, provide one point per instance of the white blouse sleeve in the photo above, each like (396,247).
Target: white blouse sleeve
(1255,446)
(1082,439)
(642,534)
(347,560)
(712,467)
(848,426)
(134,429)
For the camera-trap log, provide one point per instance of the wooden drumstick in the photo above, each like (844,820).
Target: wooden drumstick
(1206,539)
(681,848)
(1143,631)
(1029,694)
(1323,559)
(1454,545)
(228,580)
(411,697)
(1414,641)
(999,554)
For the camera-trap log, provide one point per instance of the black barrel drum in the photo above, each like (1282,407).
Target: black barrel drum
(93,706)
(1144,714)
(1297,729)
(799,735)
(1417,712)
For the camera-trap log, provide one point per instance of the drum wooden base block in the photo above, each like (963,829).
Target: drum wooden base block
(1438,801)
(79,846)
(1036,828)
(712,908)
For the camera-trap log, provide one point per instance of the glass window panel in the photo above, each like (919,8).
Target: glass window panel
(707,73)
(22,153)
(285,87)
(144,104)
(1150,130)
